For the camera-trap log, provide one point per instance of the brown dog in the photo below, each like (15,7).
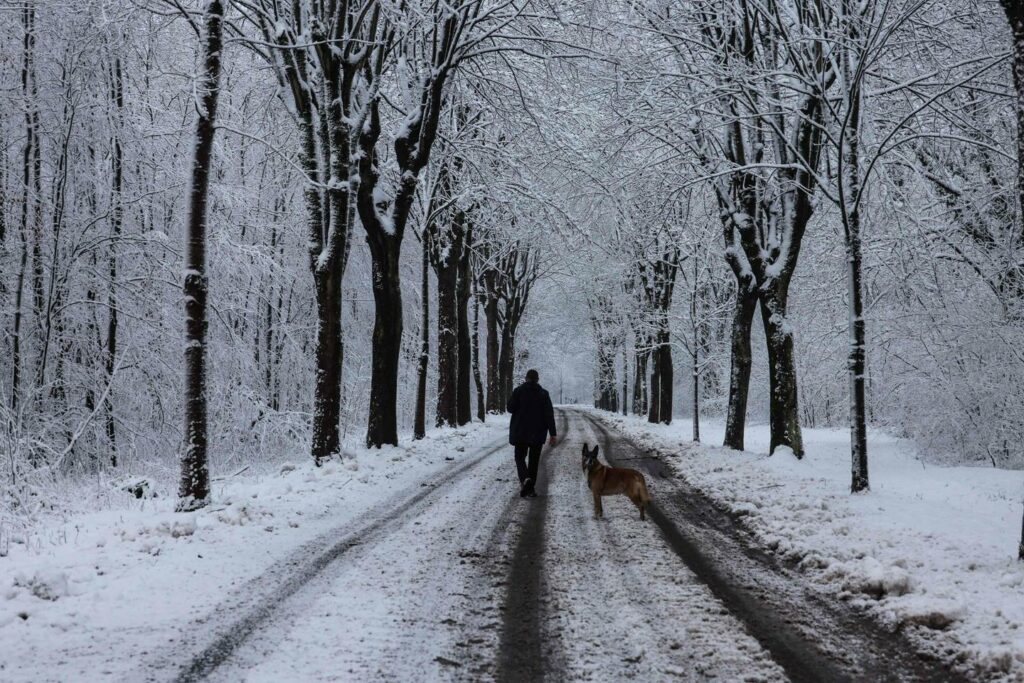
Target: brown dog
(609,481)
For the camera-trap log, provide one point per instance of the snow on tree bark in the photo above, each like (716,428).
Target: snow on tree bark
(419,428)
(194,489)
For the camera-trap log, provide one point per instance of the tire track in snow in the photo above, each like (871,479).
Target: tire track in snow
(810,638)
(622,607)
(404,605)
(214,637)
(525,653)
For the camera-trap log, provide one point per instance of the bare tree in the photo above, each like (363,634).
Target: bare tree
(1015,16)
(657,279)
(386,191)
(194,489)
(769,148)
(321,79)
(518,271)
(116,222)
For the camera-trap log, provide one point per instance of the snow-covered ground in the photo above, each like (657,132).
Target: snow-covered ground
(85,597)
(928,545)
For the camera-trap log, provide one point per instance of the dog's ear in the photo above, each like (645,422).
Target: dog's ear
(586,450)
(596,449)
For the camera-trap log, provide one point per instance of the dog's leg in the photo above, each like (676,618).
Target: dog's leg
(598,510)
(638,500)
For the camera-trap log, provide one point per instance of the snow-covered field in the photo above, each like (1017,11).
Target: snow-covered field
(85,597)
(928,545)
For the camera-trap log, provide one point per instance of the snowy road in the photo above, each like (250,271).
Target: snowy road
(463,580)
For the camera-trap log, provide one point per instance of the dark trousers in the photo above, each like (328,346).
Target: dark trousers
(528,470)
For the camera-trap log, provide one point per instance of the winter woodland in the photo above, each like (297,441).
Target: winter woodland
(244,229)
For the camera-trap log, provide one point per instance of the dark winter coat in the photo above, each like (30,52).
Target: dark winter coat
(533,417)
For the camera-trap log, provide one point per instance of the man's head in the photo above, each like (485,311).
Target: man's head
(532,376)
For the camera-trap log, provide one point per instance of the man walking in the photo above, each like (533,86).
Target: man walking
(533,420)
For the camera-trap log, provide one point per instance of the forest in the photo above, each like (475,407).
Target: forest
(271,271)
(244,228)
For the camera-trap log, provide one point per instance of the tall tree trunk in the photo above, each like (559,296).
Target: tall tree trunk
(506,364)
(695,372)
(739,376)
(625,381)
(666,382)
(464,407)
(849,199)
(382,426)
(3,213)
(31,200)
(419,428)
(654,400)
(857,364)
(1015,16)
(481,406)
(269,364)
(329,267)
(194,490)
(33,148)
(447,340)
(783,405)
(611,387)
(695,327)
(495,403)
(327,392)
(116,219)
(639,381)
(607,389)
(16,336)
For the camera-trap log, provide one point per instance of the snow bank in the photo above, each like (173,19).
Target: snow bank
(82,598)
(929,549)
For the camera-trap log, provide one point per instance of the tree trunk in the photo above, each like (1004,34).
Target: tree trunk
(16,336)
(654,400)
(1015,16)
(739,376)
(857,365)
(419,429)
(607,388)
(625,381)
(382,427)
(495,404)
(327,392)
(506,365)
(33,157)
(639,381)
(30,197)
(3,211)
(849,199)
(194,490)
(447,341)
(463,402)
(116,219)
(667,380)
(268,319)
(696,395)
(1020,548)
(481,406)
(783,405)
